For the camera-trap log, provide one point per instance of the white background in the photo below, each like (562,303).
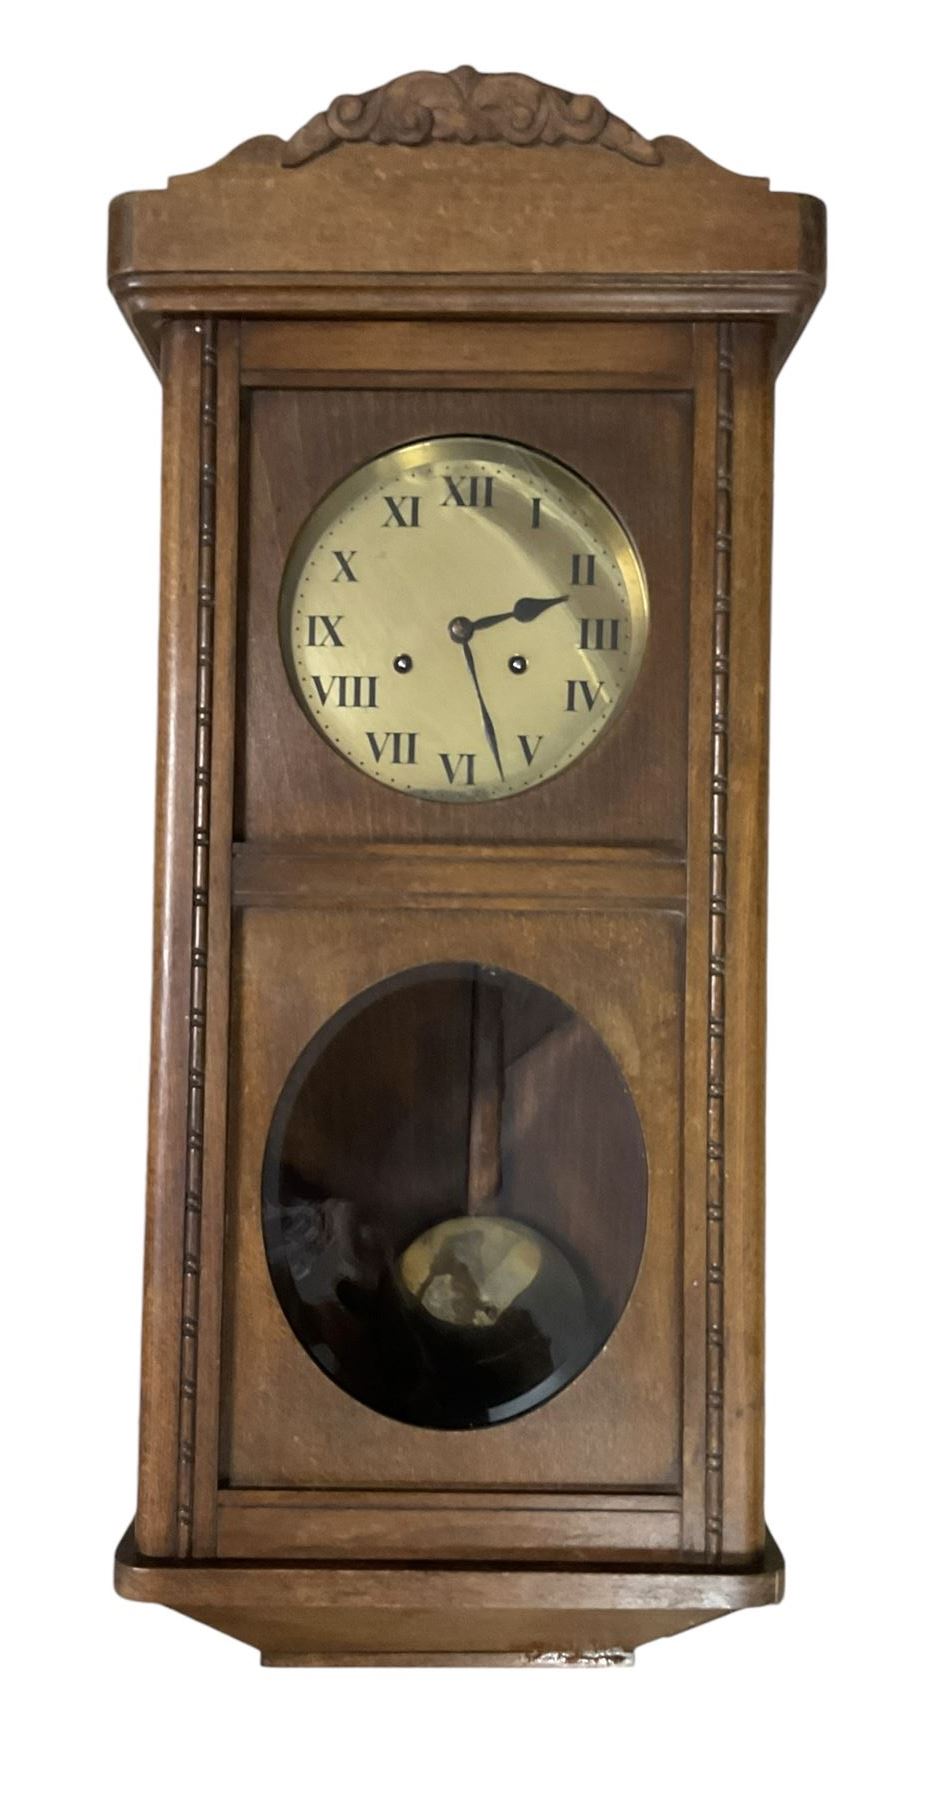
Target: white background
(839,1687)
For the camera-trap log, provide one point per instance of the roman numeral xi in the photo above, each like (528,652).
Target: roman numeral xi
(404,511)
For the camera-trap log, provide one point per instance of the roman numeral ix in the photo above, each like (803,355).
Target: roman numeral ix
(330,639)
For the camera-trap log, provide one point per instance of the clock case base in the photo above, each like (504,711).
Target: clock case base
(351,1615)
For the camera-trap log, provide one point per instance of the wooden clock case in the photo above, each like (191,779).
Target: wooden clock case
(476,254)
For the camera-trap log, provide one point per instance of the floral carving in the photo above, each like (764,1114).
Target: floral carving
(465,107)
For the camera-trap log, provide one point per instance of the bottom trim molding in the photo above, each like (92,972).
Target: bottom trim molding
(338,1614)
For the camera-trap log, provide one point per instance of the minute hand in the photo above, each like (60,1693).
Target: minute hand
(487,724)
(524,610)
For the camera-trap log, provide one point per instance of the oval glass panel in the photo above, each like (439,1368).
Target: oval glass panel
(454,1196)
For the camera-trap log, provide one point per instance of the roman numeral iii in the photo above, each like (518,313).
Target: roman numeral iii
(347,690)
(600,634)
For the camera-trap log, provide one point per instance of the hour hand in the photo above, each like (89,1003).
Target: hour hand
(527,609)
(523,611)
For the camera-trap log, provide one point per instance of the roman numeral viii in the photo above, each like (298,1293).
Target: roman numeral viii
(347,690)
(600,634)
(328,637)
(463,764)
(401,746)
(588,694)
(476,490)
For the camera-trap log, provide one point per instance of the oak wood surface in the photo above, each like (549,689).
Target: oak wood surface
(568,877)
(551,221)
(156,1521)
(307,1613)
(630,786)
(618,1423)
(635,355)
(457,253)
(218,983)
(426,1525)
(745,976)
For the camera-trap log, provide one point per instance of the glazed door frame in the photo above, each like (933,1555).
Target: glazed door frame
(727,367)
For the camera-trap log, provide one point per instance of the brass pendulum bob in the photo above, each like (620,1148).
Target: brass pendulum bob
(496,1301)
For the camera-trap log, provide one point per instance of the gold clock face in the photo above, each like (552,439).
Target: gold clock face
(462,617)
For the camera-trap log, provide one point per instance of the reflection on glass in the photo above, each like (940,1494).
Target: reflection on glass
(454,1196)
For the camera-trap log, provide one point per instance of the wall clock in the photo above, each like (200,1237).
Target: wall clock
(452,1343)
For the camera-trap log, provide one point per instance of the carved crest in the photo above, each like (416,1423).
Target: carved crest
(465,107)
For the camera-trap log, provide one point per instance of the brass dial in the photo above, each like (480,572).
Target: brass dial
(462,617)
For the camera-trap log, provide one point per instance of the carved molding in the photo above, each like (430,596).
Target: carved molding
(717,944)
(465,107)
(195,1127)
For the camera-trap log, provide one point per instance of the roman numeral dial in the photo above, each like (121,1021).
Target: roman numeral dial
(461,619)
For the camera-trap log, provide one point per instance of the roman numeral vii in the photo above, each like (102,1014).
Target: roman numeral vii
(401,746)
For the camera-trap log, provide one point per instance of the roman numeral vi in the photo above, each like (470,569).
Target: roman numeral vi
(464,763)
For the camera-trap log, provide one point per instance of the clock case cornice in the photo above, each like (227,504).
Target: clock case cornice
(470,196)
